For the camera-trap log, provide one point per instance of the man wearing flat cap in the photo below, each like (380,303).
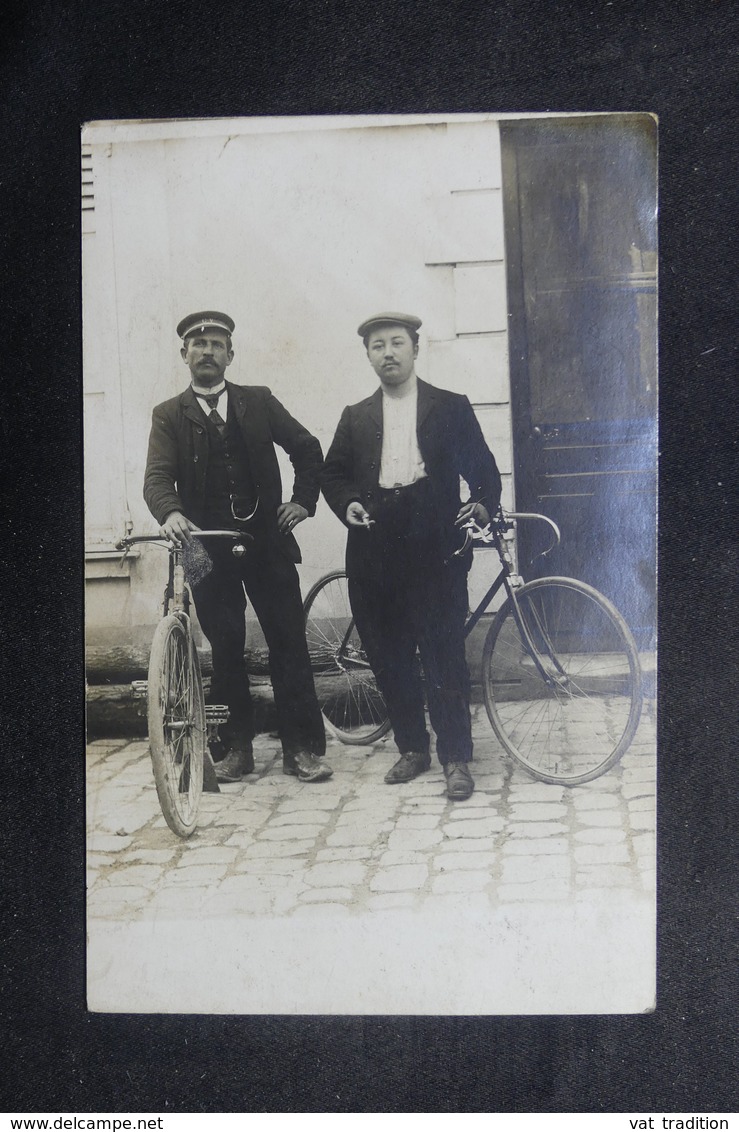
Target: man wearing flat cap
(392,476)
(212,465)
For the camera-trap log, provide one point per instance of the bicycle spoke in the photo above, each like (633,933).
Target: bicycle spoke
(322,635)
(559,685)
(532,717)
(545,716)
(176,725)
(347,693)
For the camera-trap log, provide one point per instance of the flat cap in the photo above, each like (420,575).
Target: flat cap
(411,321)
(216,320)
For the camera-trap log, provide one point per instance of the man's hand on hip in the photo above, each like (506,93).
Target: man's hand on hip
(177,527)
(289,515)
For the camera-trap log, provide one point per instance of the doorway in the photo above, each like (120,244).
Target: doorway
(579,199)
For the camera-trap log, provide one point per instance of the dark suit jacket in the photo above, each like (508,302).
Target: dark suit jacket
(451,444)
(177,462)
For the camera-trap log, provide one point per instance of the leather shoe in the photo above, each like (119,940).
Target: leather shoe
(459,781)
(408,766)
(306,767)
(237,763)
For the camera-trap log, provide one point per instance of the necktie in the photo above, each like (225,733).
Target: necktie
(212,402)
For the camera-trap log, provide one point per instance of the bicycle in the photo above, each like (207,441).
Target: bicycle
(561,675)
(179,722)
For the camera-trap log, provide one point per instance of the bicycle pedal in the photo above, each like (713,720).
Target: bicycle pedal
(216,713)
(139,689)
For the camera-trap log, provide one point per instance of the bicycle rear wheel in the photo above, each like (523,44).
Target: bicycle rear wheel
(177,732)
(352,704)
(574,724)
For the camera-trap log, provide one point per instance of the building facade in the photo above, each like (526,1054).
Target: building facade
(526,245)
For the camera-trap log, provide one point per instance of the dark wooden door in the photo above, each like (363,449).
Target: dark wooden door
(580,220)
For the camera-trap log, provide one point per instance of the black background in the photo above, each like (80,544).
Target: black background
(64,63)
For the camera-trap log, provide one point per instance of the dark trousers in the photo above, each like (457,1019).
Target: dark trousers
(270,581)
(415,601)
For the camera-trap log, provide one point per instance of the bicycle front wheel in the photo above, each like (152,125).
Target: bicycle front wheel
(352,704)
(562,681)
(177,732)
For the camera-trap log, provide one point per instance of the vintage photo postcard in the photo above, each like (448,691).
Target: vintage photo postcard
(370,564)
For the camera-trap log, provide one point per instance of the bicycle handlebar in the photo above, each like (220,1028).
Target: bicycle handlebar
(129,540)
(544,519)
(502,522)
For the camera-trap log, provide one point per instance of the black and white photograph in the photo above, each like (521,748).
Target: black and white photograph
(370,479)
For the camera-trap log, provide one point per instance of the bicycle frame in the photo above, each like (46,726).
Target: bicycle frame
(557,656)
(356,662)
(176,594)
(493,534)
(492,537)
(176,603)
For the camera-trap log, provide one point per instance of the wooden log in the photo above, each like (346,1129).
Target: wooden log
(118,664)
(112,711)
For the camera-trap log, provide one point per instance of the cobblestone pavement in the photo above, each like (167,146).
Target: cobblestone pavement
(271,845)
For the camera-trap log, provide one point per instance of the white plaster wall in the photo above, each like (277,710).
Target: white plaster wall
(298,235)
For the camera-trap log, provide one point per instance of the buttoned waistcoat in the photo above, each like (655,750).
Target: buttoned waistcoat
(177,462)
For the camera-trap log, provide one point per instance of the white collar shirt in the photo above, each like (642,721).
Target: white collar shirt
(221,394)
(401,462)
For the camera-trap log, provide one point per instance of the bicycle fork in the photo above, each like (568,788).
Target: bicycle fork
(512,583)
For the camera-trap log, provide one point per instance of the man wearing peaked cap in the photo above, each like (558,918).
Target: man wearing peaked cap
(204,320)
(392,476)
(212,465)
